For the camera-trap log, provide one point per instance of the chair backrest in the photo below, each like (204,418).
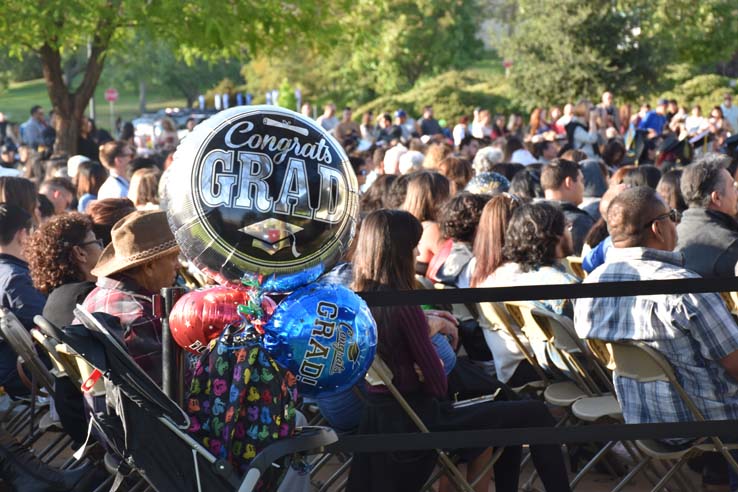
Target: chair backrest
(462,312)
(573,265)
(83,369)
(48,328)
(733,297)
(573,350)
(636,360)
(493,316)
(730,299)
(522,313)
(380,374)
(21,341)
(59,367)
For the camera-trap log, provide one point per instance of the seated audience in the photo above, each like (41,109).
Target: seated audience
(563,183)
(384,261)
(105,213)
(595,185)
(458,172)
(61,255)
(598,240)
(90,177)
(60,192)
(427,193)
(694,332)
(486,158)
(20,192)
(141,260)
(17,292)
(536,240)
(458,221)
(144,189)
(669,188)
(526,185)
(115,156)
(708,232)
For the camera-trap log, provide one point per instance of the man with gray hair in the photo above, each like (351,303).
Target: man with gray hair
(486,158)
(708,233)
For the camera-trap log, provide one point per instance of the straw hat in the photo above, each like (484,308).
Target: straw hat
(137,238)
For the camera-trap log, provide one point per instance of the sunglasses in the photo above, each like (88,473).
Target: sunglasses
(674,215)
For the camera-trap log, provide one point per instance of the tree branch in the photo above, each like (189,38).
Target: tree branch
(95,62)
(53,75)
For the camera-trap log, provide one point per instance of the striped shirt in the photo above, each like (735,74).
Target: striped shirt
(693,331)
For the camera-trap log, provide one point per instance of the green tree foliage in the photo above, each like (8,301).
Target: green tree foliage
(157,62)
(697,33)
(567,49)
(453,94)
(205,28)
(287,98)
(705,90)
(381,47)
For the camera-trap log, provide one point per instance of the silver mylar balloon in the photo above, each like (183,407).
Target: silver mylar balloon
(262,192)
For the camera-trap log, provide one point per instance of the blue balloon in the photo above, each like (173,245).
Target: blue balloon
(326,335)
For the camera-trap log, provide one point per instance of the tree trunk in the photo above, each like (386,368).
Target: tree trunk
(70,106)
(142,96)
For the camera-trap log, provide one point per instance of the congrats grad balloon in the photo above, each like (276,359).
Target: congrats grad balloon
(265,192)
(325,334)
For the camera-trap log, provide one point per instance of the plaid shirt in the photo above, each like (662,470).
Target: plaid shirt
(693,332)
(123,298)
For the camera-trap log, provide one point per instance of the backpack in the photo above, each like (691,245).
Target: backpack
(240,401)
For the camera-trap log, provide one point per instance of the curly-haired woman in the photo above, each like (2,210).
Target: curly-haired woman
(61,254)
(536,239)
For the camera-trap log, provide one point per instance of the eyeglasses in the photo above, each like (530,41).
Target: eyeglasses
(99,242)
(674,215)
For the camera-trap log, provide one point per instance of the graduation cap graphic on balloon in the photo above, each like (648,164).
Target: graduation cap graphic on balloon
(273,235)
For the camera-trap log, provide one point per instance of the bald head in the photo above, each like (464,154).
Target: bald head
(630,215)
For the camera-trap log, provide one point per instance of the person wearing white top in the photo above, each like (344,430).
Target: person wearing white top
(115,156)
(522,156)
(730,112)
(328,119)
(695,123)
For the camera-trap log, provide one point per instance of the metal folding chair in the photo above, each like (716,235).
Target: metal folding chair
(494,317)
(573,265)
(380,375)
(637,360)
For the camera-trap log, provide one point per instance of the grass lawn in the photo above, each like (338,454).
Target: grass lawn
(16,101)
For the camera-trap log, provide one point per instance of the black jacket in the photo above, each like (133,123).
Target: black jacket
(709,242)
(581,222)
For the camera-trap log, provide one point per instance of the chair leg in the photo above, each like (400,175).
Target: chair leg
(595,459)
(637,457)
(635,471)
(336,475)
(496,453)
(666,478)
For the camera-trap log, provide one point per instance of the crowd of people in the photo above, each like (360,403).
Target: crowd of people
(643,196)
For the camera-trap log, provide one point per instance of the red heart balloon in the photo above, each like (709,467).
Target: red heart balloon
(201,315)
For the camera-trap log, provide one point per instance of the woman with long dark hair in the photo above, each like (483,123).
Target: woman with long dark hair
(385,260)
(90,177)
(427,192)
